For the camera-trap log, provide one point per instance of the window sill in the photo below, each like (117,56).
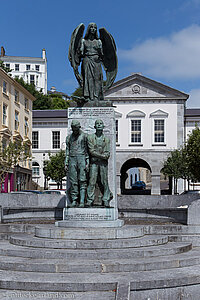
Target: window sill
(137,145)
(117,145)
(6,95)
(26,110)
(159,144)
(17,103)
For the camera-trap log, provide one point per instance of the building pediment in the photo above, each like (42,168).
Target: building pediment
(159,113)
(138,87)
(136,114)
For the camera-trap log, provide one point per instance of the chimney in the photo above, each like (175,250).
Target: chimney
(3,52)
(43,53)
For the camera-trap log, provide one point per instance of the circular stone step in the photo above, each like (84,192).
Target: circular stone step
(53,232)
(46,295)
(72,254)
(85,282)
(30,241)
(191,258)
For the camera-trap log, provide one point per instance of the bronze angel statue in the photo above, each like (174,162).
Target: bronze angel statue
(91,52)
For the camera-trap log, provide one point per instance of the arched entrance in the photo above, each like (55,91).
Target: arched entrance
(132,171)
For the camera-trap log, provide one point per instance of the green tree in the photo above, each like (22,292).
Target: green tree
(11,155)
(193,153)
(53,101)
(55,167)
(78,92)
(42,101)
(172,167)
(2,65)
(58,102)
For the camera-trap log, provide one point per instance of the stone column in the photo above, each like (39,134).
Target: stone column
(118,180)
(155,179)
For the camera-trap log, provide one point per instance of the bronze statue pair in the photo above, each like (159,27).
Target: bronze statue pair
(87,154)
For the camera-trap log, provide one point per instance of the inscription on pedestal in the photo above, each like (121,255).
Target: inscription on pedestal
(91,214)
(88,112)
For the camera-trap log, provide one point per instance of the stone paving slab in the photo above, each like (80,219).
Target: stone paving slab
(31,241)
(190,292)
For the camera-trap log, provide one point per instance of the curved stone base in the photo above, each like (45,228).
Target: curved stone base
(89,224)
(100,233)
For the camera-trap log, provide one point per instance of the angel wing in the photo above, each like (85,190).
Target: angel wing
(110,57)
(74,54)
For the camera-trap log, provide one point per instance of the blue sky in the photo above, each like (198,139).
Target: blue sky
(160,39)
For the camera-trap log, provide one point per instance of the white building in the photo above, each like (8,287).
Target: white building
(31,69)
(49,134)
(151,121)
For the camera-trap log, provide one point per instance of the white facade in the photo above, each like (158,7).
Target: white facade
(150,124)
(49,135)
(31,69)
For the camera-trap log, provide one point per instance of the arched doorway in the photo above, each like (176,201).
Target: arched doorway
(133,171)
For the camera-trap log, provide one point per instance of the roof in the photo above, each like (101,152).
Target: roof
(58,113)
(192,112)
(142,80)
(21,58)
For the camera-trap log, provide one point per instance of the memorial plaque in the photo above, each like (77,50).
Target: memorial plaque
(89,214)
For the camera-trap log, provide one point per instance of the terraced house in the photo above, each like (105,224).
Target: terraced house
(15,124)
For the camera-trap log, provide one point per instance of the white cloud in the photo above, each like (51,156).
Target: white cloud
(194,99)
(174,57)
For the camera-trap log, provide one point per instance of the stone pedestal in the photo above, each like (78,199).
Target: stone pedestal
(155,178)
(95,216)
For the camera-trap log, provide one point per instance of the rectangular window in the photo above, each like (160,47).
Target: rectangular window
(26,126)
(16,67)
(4,114)
(116,130)
(26,103)
(37,68)
(159,131)
(4,144)
(8,66)
(135,131)
(4,87)
(35,140)
(32,79)
(16,120)
(35,169)
(16,96)
(28,67)
(56,139)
